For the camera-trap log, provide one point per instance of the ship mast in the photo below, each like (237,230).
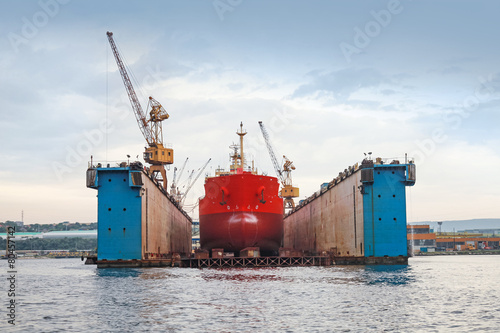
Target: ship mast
(241,134)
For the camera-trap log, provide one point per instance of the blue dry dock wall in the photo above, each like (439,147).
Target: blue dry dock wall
(118,215)
(384,209)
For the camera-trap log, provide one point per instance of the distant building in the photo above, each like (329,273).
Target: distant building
(71,234)
(195,238)
(420,238)
(54,234)
(482,231)
(450,241)
(22,235)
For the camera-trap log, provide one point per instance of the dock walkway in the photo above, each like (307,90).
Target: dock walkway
(258,262)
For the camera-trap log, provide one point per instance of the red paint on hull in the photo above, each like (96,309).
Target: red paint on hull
(241,210)
(238,230)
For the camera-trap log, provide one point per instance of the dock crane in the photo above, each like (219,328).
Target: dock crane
(173,188)
(288,192)
(193,182)
(156,154)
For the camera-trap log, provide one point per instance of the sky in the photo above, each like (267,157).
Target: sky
(330,80)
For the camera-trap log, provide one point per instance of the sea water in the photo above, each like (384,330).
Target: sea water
(430,294)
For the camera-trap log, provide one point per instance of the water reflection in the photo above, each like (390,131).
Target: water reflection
(243,274)
(388,275)
(294,299)
(119,272)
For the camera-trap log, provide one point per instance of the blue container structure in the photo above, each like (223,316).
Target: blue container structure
(384,208)
(136,218)
(119,213)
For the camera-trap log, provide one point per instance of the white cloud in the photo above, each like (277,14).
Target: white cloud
(261,63)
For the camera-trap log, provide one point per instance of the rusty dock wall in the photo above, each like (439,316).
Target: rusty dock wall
(359,214)
(166,228)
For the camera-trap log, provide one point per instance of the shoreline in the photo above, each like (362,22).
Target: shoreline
(451,253)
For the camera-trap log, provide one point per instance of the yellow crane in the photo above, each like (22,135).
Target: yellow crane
(156,154)
(288,191)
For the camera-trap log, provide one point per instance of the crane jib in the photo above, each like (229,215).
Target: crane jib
(156,154)
(136,106)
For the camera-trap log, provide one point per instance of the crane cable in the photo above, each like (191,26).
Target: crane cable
(107,100)
(135,82)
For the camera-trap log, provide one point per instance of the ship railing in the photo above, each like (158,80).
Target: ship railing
(110,164)
(390,160)
(349,171)
(123,164)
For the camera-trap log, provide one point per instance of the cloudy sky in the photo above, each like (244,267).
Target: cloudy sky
(331,80)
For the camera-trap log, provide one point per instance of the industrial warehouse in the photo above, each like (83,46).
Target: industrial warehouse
(422,239)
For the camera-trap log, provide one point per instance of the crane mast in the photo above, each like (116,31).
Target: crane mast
(288,192)
(136,106)
(174,190)
(156,154)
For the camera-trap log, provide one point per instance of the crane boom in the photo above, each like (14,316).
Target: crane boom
(192,183)
(288,192)
(271,153)
(139,113)
(182,169)
(156,154)
(173,187)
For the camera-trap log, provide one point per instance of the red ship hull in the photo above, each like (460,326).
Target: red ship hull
(239,211)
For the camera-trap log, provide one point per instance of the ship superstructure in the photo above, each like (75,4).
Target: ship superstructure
(241,208)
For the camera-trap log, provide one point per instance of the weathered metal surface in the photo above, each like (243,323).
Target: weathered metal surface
(399,260)
(165,227)
(250,252)
(289,252)
(138,263)
(258,262)
(332,222)
(362,212)
(91,260)
(201,254)
(238,262)
(217,253)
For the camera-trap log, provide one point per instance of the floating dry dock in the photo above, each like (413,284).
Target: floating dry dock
(359,217)
(137,220)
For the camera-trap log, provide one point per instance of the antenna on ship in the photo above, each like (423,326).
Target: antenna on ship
(241,134)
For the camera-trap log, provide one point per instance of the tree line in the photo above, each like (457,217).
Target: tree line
(70,244)
(36,227)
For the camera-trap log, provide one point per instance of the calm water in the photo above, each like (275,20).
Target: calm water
(435,294)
